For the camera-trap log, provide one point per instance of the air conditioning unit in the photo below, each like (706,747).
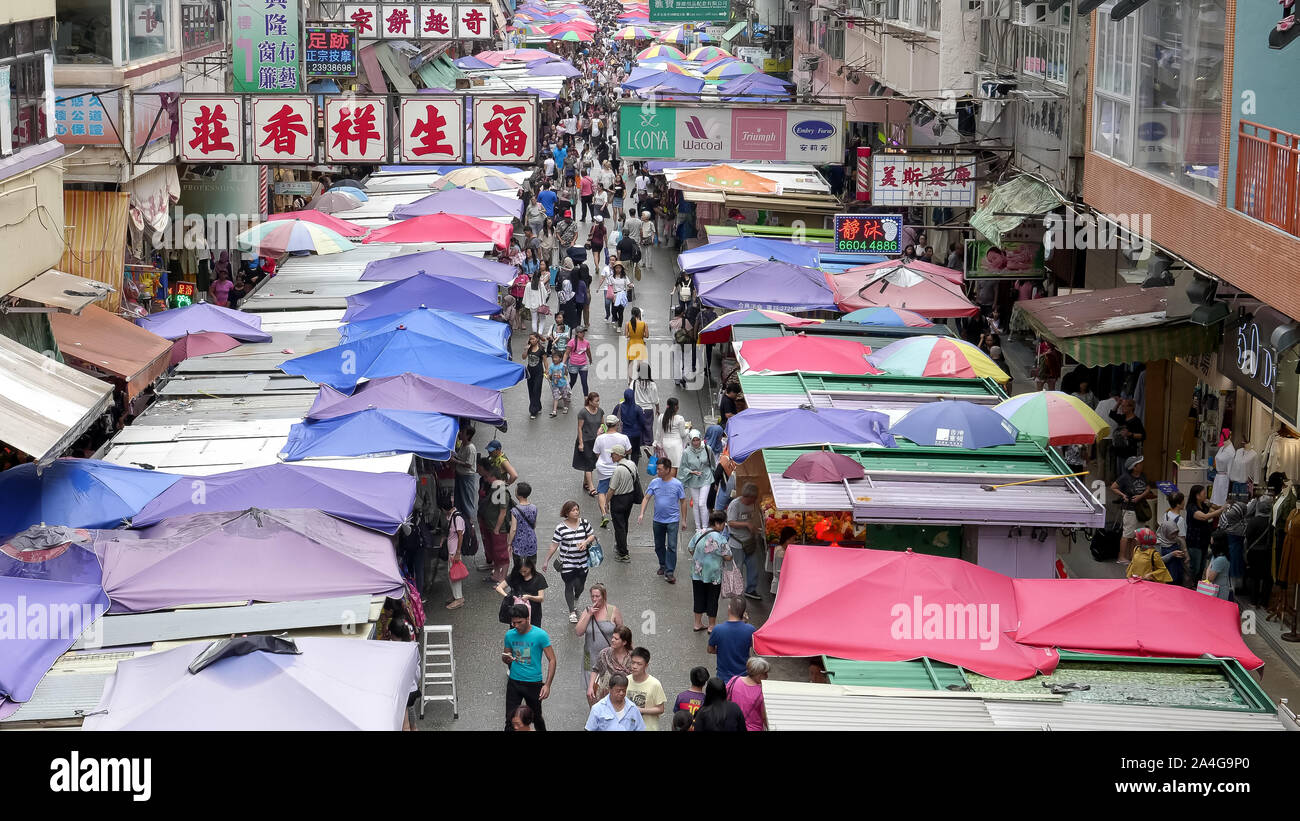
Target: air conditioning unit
(1028,14)
(809,62)
(793,6)
(803,86)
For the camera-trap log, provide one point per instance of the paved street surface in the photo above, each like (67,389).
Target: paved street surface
(658,613)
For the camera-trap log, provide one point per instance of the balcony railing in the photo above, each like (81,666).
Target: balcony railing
(1268,176)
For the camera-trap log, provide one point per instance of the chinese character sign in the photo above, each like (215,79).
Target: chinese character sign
(872,233)
(87,120)
(356,129)
(505,129)
(474,22)
(211,129)
(265,52)
(364,17)
(398,22)
(284,129)
(923,179)
(330,52)
(147,20)
(437,22)
(433,129)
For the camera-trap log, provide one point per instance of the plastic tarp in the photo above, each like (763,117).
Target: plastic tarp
(63,583)
(880,605)
(1131,617)
(402,351)
(254,555)
(466,296)
(379,501)
(373,432)
(752,430)
(76,493)
(331,684)
(773,285)
(1009,203)
(412,392)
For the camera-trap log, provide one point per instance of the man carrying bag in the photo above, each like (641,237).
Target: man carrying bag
(624,491)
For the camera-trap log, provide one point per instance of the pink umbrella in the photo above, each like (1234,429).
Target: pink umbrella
(201,344)
(930,295)
(950,274)
(824,466)
(339,226)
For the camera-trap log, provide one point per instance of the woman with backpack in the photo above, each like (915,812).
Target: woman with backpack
(683,331)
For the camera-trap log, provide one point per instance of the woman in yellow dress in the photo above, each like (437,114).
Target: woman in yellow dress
(636,329)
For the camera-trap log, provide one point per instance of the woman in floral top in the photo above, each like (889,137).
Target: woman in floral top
(616,658)
(709,549)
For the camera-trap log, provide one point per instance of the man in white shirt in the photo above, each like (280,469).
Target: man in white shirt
(604,464)
(548,167)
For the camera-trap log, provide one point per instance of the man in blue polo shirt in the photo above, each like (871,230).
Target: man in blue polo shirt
(547,198)
(524,647)
(731,641)
(670,514)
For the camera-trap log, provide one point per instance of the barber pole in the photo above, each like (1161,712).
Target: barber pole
(264,186)
(864,173)
(1060,569)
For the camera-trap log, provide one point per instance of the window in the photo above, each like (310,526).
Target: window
(1044,52)
(24,47)
(148,26)
(200,24)
(1157,92)
(86,32)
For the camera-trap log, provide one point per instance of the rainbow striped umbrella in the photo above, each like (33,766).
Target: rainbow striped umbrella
(572,36)
(721,72)
(634,33)
(660,52)
(479,179)
(675,35)
(707,53)
(887,317)
(1054,418)
(719,330)
(936,356)
(276,237)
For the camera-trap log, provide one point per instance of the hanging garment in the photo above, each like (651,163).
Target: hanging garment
(1282,453)
(1245,467)
(1289,566)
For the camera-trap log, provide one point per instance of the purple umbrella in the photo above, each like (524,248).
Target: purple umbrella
(328,684)
(750,431)
(441,263)
(824,466)
(379,501)
(254,555)
(411,391)
(955,425)
(461,201)
(203,317)
(63,581)
(466,296)
(553,69)
(657,79)
(472,63)
(771,285)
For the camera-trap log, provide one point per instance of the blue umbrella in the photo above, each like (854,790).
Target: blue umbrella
(482,335)
(466,296)
(790,252)
(402,351)
(76,493)
(374,431)
(441,263)
(955,425)
(353,190)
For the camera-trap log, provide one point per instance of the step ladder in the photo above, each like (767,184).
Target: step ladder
(437,667)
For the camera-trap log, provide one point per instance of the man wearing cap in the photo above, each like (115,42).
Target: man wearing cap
(1132,488)
(622,498)
(1146,563)
(605,443)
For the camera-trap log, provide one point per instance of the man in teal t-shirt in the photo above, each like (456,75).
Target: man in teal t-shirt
(524,647)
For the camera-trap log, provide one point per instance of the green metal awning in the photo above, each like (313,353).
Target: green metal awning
(439,73)
(396,68)
(1149,344)
(731,33)
(1009,204)
(1024,458)
(922,674)
(918,385)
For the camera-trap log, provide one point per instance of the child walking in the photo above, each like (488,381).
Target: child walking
(559,376)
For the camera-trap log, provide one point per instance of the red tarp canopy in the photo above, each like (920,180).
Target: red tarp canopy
(1130,617)
(810,354)
(900,286)
(445,228)
(880,605)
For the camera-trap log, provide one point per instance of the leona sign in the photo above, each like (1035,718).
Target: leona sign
(869,233)
(724,133)
(356,130)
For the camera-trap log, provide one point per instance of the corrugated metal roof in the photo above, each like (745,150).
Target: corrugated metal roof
(263,357)
(229,409)
(380,205)
(236,385)
(909,675)
(200,429)
(127,629)
(796,706)
(208,456)
(44,404)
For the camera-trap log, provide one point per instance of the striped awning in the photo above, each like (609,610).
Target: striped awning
(95,229)
(1149,344)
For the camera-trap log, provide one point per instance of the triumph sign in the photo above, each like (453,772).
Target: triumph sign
(783,133)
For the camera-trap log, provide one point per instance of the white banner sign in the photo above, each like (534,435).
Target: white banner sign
(212,129)
(505,129)
(432,129)
(365,16)
(409,21)
(437,22)
(474,22)
(923,179)
(356,130)
(284,129)
(398,22)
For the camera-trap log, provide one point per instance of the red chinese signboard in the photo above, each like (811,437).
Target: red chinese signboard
(437,22)
(365,16)
(398,21)
(212,129)
(433,129)
(505,129)
(284,129)
(474,22)
(356,130)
